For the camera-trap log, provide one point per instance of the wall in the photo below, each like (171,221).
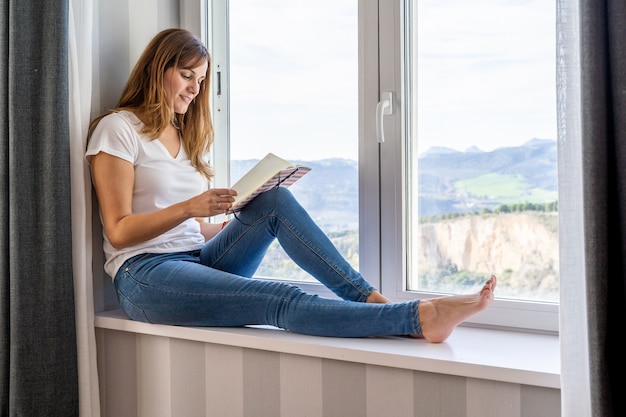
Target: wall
(147,375)
(154,376)
(122,29)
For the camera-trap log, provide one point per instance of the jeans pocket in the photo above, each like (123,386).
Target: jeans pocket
(135,260)
(131,310)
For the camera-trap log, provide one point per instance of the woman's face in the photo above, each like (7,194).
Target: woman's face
(182,85)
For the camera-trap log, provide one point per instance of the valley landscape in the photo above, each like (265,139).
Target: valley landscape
(479,213)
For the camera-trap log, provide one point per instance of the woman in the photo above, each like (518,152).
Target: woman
(170,266)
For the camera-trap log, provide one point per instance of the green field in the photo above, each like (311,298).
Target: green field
(505,189)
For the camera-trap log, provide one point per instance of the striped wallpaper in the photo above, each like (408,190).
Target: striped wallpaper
(154,376)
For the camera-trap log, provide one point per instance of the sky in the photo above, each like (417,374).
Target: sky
(485,76)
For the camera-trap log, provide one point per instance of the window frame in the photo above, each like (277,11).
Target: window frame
(394,153)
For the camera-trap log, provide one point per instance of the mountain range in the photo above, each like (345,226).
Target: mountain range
(449,181)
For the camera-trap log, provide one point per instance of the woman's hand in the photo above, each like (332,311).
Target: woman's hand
(211,202)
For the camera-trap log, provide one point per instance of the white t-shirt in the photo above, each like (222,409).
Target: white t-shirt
(160,181)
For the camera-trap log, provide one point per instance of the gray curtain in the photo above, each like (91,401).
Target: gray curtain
(603,97)
(593,318)
(38,366)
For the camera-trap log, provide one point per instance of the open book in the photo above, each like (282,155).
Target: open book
(266,174)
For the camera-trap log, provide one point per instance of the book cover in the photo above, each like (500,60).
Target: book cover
(269,172)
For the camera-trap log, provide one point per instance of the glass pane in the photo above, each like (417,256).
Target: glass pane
(293,86)
(483,153)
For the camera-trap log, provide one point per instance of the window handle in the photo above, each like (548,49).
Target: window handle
(383,108)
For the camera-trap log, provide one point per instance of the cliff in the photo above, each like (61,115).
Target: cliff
(520,248)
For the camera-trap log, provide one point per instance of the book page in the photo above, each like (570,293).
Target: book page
(265,169)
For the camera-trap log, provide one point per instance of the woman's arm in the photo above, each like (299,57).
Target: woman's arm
(209,230)
(113,180)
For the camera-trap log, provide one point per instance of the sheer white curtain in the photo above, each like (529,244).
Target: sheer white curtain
(80,82)
(575,398)
(592,198)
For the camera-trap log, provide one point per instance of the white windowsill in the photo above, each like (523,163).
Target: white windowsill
(508,356)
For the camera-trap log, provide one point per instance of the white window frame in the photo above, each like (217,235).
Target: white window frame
(382,166)
(528,316)
(216,38)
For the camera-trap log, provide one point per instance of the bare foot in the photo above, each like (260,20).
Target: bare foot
(439,316)
(377,298)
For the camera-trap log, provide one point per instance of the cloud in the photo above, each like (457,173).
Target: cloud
(485,75)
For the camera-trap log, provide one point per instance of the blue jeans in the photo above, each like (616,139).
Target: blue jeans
(213,286)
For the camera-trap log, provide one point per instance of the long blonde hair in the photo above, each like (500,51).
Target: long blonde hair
(144,93)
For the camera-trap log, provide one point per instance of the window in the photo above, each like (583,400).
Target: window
(472,168)
(473,79)
(288,77)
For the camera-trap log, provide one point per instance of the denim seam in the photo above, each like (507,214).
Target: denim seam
(162,290)
(130,276)
(331,265)
(416,317)
(363,291)
(234,241)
